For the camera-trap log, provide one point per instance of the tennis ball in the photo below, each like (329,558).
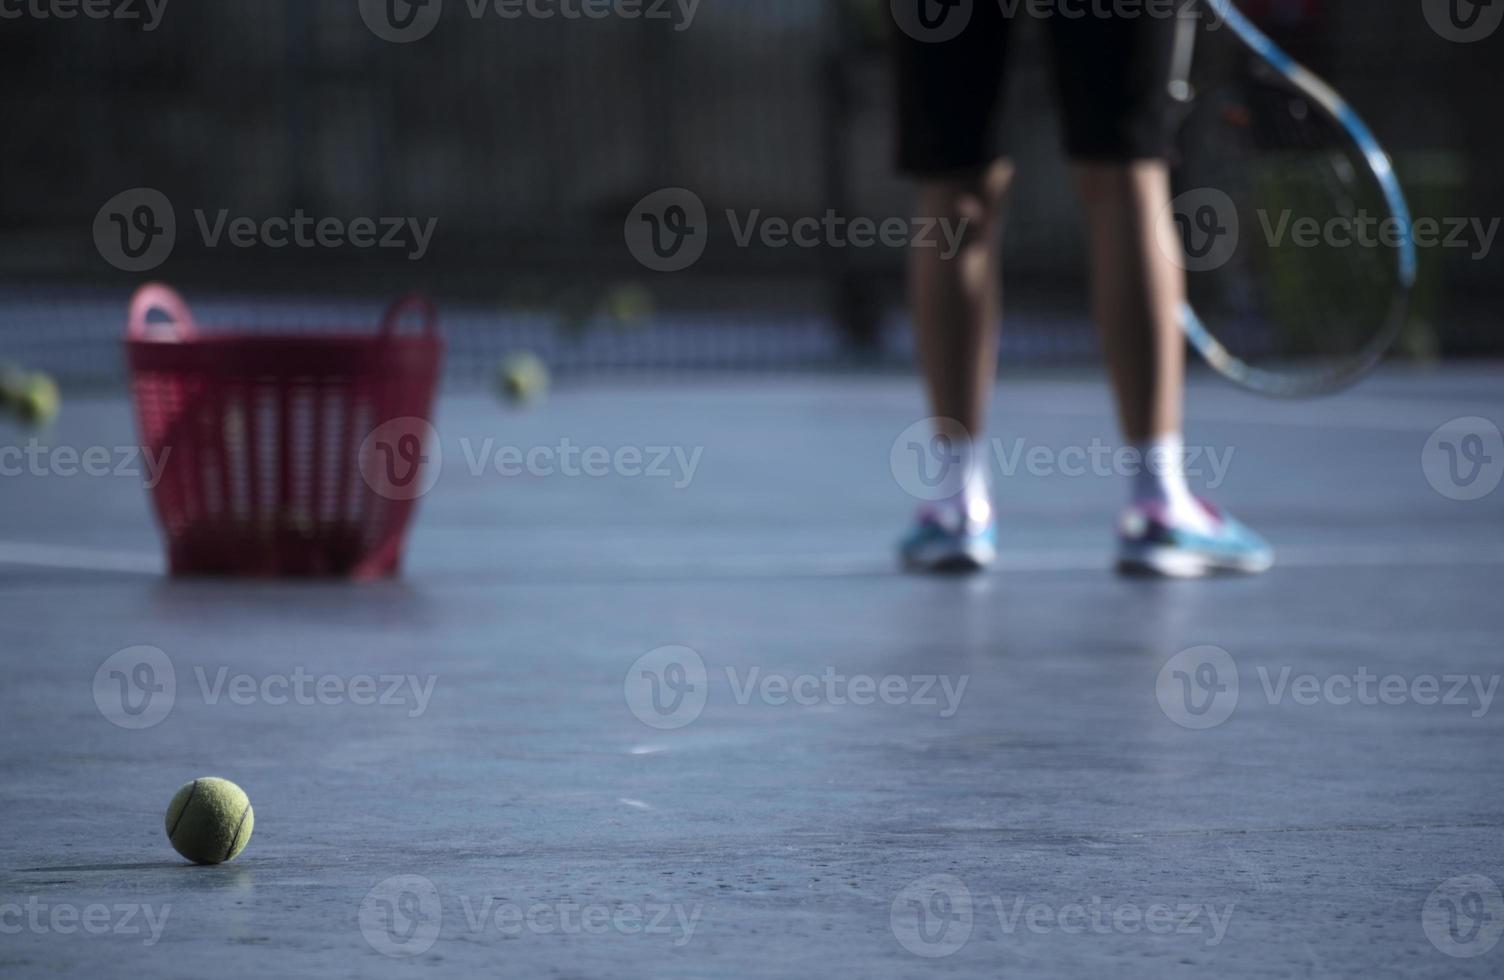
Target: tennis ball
(39,399)
(522,378)
(629,304)
(209,820)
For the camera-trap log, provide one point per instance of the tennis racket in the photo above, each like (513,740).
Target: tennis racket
(1292,227)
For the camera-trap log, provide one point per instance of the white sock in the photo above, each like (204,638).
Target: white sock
(1161,479)
(974,499)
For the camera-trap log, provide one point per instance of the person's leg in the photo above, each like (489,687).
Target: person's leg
(956,302)
(1137,292)
(948,93)
(1113,73)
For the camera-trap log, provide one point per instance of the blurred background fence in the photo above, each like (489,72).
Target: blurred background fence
(529,141)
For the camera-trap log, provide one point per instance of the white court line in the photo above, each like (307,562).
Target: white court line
(1008,563)
(835,566)
(1365,415)
(1060,560)
(80,559)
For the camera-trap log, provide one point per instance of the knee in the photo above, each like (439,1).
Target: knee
(975,201)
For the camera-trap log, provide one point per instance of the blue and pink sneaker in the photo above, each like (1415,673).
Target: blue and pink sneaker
(946,540)
(1148,545)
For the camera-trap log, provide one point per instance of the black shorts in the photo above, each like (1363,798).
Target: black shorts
(1112,70)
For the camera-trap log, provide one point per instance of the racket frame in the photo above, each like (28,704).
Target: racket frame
(1336,108)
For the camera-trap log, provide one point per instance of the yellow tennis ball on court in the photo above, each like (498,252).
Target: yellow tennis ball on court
(38,399)
(209,820)
(522,378)
(629,304)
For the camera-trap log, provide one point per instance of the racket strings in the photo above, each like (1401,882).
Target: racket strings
(1282,298)
(1339,275)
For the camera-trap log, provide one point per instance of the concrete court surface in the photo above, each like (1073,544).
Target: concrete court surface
(691,722)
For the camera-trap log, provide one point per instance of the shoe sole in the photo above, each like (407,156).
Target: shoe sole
(953,561)
(1154,561)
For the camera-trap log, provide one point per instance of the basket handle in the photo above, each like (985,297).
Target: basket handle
(411,303)
(164,299)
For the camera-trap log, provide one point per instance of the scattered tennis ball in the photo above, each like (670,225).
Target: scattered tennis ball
(209,820)
(522,378)
(628,304)
(39,399)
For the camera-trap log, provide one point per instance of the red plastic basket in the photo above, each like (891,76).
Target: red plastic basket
(284,455)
